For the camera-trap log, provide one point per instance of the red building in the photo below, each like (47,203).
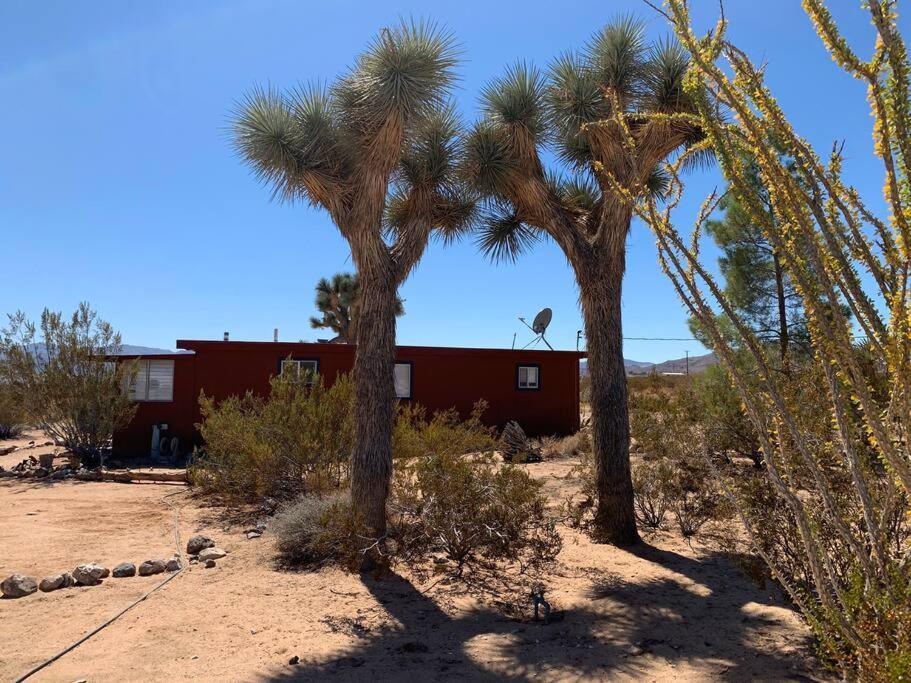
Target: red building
(538,389)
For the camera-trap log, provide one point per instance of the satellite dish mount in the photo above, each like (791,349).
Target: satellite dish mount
(539,327)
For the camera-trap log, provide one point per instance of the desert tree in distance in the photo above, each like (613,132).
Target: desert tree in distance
(378,151)
(608,113)
(337,302)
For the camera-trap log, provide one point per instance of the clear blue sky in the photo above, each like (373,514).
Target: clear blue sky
(118,184)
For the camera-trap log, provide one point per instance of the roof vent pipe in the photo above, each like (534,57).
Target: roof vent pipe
(275,335)
(226,336)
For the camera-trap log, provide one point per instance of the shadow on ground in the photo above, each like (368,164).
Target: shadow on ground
(691,615)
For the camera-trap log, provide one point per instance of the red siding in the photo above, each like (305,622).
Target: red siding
(442,378)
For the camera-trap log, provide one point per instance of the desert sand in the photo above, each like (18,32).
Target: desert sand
(662,611)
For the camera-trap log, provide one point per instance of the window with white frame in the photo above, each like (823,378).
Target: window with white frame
(154,381)
(528,377)
(403,380)
(302,370)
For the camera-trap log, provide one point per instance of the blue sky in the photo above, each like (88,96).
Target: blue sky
(118,183)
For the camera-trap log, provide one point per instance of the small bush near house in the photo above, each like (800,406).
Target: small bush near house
(472,513)
(61,375)
(651,490)
(313,531)
(295,441)
(416,435)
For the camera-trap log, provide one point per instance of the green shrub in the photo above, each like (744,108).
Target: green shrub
(475,514)
(417,436)
(62,376)
(296,440)
(12,416)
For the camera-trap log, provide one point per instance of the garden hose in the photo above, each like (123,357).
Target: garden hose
(183,565)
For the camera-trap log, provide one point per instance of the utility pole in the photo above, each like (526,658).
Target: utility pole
(687,363)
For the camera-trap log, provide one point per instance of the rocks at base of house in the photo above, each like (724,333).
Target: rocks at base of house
(210,564)
(173,564)
(18,586)
(123,570)
(211,554)
(52,583)
(150,567)
(199,543)
(90,574)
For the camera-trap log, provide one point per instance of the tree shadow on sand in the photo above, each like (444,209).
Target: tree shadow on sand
(695,618)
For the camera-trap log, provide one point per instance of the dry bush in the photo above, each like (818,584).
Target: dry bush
(472,513)
(565,447)
(297,440)
(651,489)
(314,531)
(61,374)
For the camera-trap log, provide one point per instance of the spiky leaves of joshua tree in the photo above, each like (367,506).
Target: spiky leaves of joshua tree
(377,151)
(337,302)
(614,112)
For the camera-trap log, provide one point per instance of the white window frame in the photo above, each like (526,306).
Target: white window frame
(526,385)
(312,364)
(410,366)
(144,373)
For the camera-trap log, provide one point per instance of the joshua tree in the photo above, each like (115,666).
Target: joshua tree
(614,112)
(337,300)
(377,151)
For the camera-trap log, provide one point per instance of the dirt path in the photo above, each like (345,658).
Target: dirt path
(662,612)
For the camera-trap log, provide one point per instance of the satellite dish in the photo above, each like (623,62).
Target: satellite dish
(542,320)
(539,327)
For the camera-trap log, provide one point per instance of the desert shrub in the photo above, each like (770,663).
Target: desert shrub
(296,440)
(652,483)
(727,427)
(566,447)
(63,377)
(12,416)
(313,531)
(416,435)
(475,514)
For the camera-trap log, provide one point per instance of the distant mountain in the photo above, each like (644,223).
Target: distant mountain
(133,350)
(636,368)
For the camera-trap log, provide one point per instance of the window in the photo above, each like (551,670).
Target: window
(154,381)
(528,377)
(303,370)
(403,380)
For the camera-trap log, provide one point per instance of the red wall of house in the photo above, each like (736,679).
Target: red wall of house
(442,378)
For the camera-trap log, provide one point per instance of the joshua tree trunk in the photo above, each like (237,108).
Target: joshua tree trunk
(374,400)
(601,281)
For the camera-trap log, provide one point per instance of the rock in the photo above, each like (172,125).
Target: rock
(212,554)
(52,583)
(150,567)
(18,586)
(68,580)
(123,570)
(6,450)
(173,564)
(198,543)
(210,564)
(254,534)
(90,574)
(294,660)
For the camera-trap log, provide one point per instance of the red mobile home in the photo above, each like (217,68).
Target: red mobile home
(538,389)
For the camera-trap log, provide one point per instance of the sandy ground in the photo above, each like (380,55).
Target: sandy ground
(664,611)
